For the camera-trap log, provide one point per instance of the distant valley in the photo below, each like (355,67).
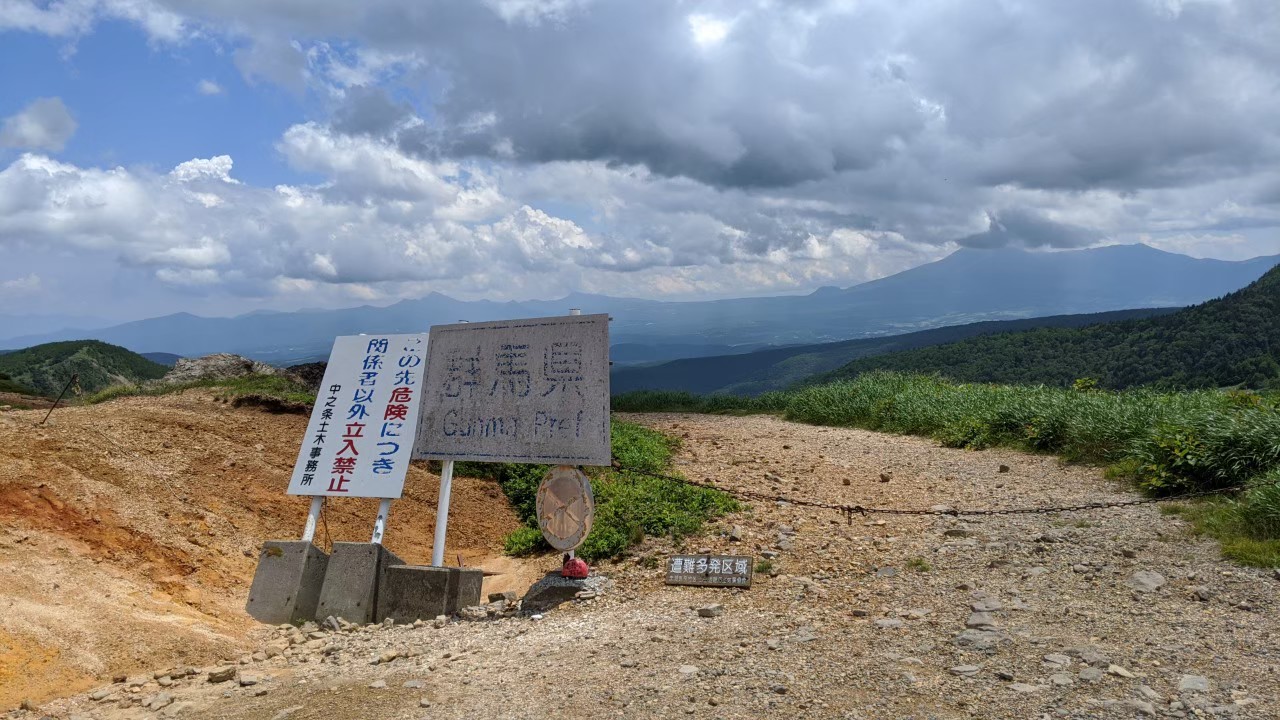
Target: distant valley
(966,287)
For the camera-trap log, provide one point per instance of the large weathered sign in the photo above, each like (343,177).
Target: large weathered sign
(710,570)
(360,438)
(534,391)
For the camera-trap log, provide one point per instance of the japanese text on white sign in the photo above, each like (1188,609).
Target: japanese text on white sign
(533,391)
(360,438)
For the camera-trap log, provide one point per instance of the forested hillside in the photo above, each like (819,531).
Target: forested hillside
(47,368)
(9,386)
(778,368)
(1226,342)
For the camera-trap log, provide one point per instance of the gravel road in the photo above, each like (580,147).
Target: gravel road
(1114,613)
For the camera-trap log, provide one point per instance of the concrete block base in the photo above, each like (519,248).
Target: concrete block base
(413,592)
(350,588)
(286,585)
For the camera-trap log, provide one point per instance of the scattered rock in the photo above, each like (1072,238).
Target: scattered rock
(1062,679)
(889,623)
(887,572)
(980,620)
(1138,706)
(1057,659)
(981,640)
(474,612)
(1090,674)
(1004,468)
(688,671)
(413,684)
(220,366)
(1193,683)
(964,670)
(1119,671)
(1146,581)
(1025,688)
(1201,593)
(735,533)
(440,621)
(886,477)
(222,674)
(987,605)
(248,679)
(710,611)
(378,684)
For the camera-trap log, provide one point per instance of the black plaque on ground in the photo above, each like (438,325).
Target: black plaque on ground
(710,570)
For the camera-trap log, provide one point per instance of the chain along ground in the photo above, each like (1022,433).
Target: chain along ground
(1107,613)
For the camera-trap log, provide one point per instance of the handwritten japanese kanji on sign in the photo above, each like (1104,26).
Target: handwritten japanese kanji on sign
(534,391)
(710,570)
(360,438)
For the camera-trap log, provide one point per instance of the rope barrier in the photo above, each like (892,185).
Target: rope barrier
(850,510)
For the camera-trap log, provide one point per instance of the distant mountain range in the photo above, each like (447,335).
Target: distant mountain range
(757,372)
(965,287)
(1232,341)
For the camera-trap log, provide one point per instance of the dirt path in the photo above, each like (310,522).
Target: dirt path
(861,620)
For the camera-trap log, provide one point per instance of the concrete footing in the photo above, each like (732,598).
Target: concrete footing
(413,592)
(286,585)
(350,588)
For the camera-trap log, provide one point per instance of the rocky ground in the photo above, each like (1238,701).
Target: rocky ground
(1113,613)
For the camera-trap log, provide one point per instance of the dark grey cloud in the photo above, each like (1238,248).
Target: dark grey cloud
(1028,229)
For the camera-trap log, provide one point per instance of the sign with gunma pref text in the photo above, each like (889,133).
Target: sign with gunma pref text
(525,391)
(360,437)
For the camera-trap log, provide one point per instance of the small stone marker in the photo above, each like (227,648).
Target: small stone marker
(711,570)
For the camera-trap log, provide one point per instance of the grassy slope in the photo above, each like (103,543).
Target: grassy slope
(1231,341)
(1166,442)
(47,368)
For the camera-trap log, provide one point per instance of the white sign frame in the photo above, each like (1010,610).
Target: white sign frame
(383,374)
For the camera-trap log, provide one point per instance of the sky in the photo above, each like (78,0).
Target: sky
(224,156)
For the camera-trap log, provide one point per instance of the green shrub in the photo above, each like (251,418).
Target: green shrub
(629,505)
(524,541)
(1166,442)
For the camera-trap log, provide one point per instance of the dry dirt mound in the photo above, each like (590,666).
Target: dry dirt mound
(128,533)
(1109,614)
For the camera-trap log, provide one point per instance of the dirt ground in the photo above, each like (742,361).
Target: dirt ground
(129,532)
(1104,614)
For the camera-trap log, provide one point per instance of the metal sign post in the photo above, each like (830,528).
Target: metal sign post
(380,524)
(442,513)
(313,516)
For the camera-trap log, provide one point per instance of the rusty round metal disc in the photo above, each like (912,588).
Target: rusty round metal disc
(565,507)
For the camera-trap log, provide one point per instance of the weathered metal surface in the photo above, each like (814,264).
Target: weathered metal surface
(360,436)
(710,570)
(534,390)
(565,507)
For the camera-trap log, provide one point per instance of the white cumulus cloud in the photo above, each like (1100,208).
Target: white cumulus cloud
(45,124)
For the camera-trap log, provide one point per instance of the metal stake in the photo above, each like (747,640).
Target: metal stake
(74,378)
(442,513)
